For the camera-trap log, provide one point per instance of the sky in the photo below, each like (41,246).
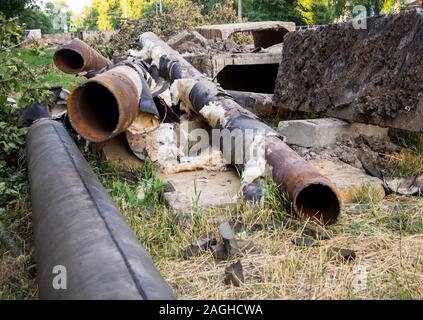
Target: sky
(77,5)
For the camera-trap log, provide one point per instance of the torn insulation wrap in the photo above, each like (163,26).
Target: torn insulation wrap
(312,194)
(78,230)
(106,105)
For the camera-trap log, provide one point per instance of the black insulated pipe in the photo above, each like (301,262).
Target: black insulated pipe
(78,228)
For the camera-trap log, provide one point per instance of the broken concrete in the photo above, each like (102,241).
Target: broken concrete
(118,154)
(347,179)
(372,75)
(203,188)
(187,36)
(324,132)
(265,33)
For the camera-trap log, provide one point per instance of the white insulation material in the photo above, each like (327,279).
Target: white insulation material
(214,112)
(180,90)
(255,158)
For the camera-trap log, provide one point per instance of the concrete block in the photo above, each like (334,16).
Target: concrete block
(323,132)
(347,179)
(33,34)
(118,154)
(372,76)
(206,189)
(224,31)
(186,35)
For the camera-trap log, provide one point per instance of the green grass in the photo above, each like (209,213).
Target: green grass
(50,75)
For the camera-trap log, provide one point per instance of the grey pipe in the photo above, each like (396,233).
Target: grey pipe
(76,225)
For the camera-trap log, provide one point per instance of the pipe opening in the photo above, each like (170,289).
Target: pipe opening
(94,111)
(68,60)
(252,77)
(318,201)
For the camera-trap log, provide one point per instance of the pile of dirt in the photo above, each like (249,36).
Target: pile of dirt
(192,43)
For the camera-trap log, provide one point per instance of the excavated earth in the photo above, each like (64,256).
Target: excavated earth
(372,75)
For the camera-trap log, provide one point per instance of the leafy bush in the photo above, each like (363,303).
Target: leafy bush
(177,15)
(17,79)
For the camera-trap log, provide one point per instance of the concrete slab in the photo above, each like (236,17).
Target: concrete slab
(371,76)
(220,61)
(347,179)
(187,35)
(205,189)
(118,154)
(224,31)
(326,131)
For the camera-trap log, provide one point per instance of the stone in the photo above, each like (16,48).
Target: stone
(118,154)
(372,75)
(325,131)
(345,254)
(33,34)
(234,274)
(185,36)
(304,242)
(206,189)
(347,179)
(200,246)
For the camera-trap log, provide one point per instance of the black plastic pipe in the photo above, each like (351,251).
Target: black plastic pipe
(77,226)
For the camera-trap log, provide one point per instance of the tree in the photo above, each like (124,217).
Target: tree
(13,8)
(36,19)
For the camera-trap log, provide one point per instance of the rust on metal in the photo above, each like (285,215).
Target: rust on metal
(76,56)
(105,105)
(261,104)
(312,194)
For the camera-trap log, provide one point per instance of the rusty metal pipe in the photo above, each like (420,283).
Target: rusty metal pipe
(105,105)
(312,194)
(261,104)
(76,56)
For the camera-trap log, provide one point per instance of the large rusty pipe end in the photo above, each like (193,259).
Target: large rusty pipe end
(313,195)
(105,105)
(76,56)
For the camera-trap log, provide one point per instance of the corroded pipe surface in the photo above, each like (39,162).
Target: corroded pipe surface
(261,104)
(76,56)
(105,105)
(84,248)
(312,194)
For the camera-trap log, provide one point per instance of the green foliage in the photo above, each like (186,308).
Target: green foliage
(177,15)
(13,8)
(284,10)
(222,12)
(36,19)
(11,33)
(90,19)
(16,78)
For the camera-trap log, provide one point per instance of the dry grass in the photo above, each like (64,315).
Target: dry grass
(388,265)
(17,266)
(387,236)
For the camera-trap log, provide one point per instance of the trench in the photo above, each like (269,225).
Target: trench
(259,78)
